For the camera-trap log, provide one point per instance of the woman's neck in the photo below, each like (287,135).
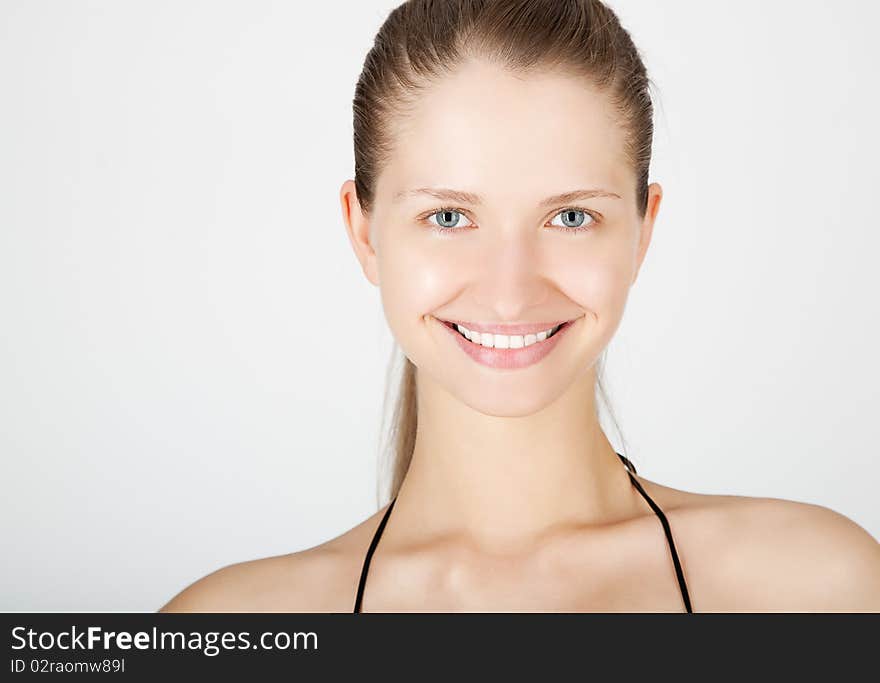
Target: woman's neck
(503,482)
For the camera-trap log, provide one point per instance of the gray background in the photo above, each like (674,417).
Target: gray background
(193,364)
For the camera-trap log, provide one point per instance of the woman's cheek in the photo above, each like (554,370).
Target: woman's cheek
(603,287)
(414,283)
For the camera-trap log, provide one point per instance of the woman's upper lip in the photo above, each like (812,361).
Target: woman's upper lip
(506,328)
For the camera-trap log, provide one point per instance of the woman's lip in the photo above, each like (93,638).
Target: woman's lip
(508,359)
(510,329)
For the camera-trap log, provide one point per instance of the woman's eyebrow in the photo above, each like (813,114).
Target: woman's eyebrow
(462,197)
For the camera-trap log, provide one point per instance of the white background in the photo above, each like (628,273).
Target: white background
(193,364)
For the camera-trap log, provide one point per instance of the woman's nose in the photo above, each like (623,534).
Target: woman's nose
(510,269)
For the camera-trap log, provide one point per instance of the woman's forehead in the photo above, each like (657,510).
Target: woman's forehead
(483,123)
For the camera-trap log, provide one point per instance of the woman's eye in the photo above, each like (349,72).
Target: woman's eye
(447,218)
(574,219)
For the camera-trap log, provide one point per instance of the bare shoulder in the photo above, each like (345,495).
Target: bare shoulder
(322,578)
(739,553)
(771,554)
(818,558)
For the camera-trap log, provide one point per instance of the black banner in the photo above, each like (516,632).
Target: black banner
(426,645)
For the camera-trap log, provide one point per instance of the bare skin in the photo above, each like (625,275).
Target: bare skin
(515,500)
(739,554)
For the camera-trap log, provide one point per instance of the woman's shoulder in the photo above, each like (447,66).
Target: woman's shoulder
(322,578)
(745,553)
(740,553)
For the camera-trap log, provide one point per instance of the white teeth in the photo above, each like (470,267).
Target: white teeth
(504,341)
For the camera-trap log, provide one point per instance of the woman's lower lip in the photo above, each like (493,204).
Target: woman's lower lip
(508,359)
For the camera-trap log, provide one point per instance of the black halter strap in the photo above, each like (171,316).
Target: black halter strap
(630,471)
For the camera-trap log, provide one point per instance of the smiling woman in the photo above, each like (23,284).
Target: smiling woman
(501,203)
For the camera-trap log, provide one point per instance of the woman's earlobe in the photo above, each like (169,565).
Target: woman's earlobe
(372,272)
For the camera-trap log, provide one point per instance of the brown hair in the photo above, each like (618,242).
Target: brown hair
(421,40)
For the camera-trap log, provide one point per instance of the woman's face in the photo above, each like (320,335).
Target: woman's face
(497,254)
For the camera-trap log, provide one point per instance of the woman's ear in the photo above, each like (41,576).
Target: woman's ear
(359,234)
(655,195)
